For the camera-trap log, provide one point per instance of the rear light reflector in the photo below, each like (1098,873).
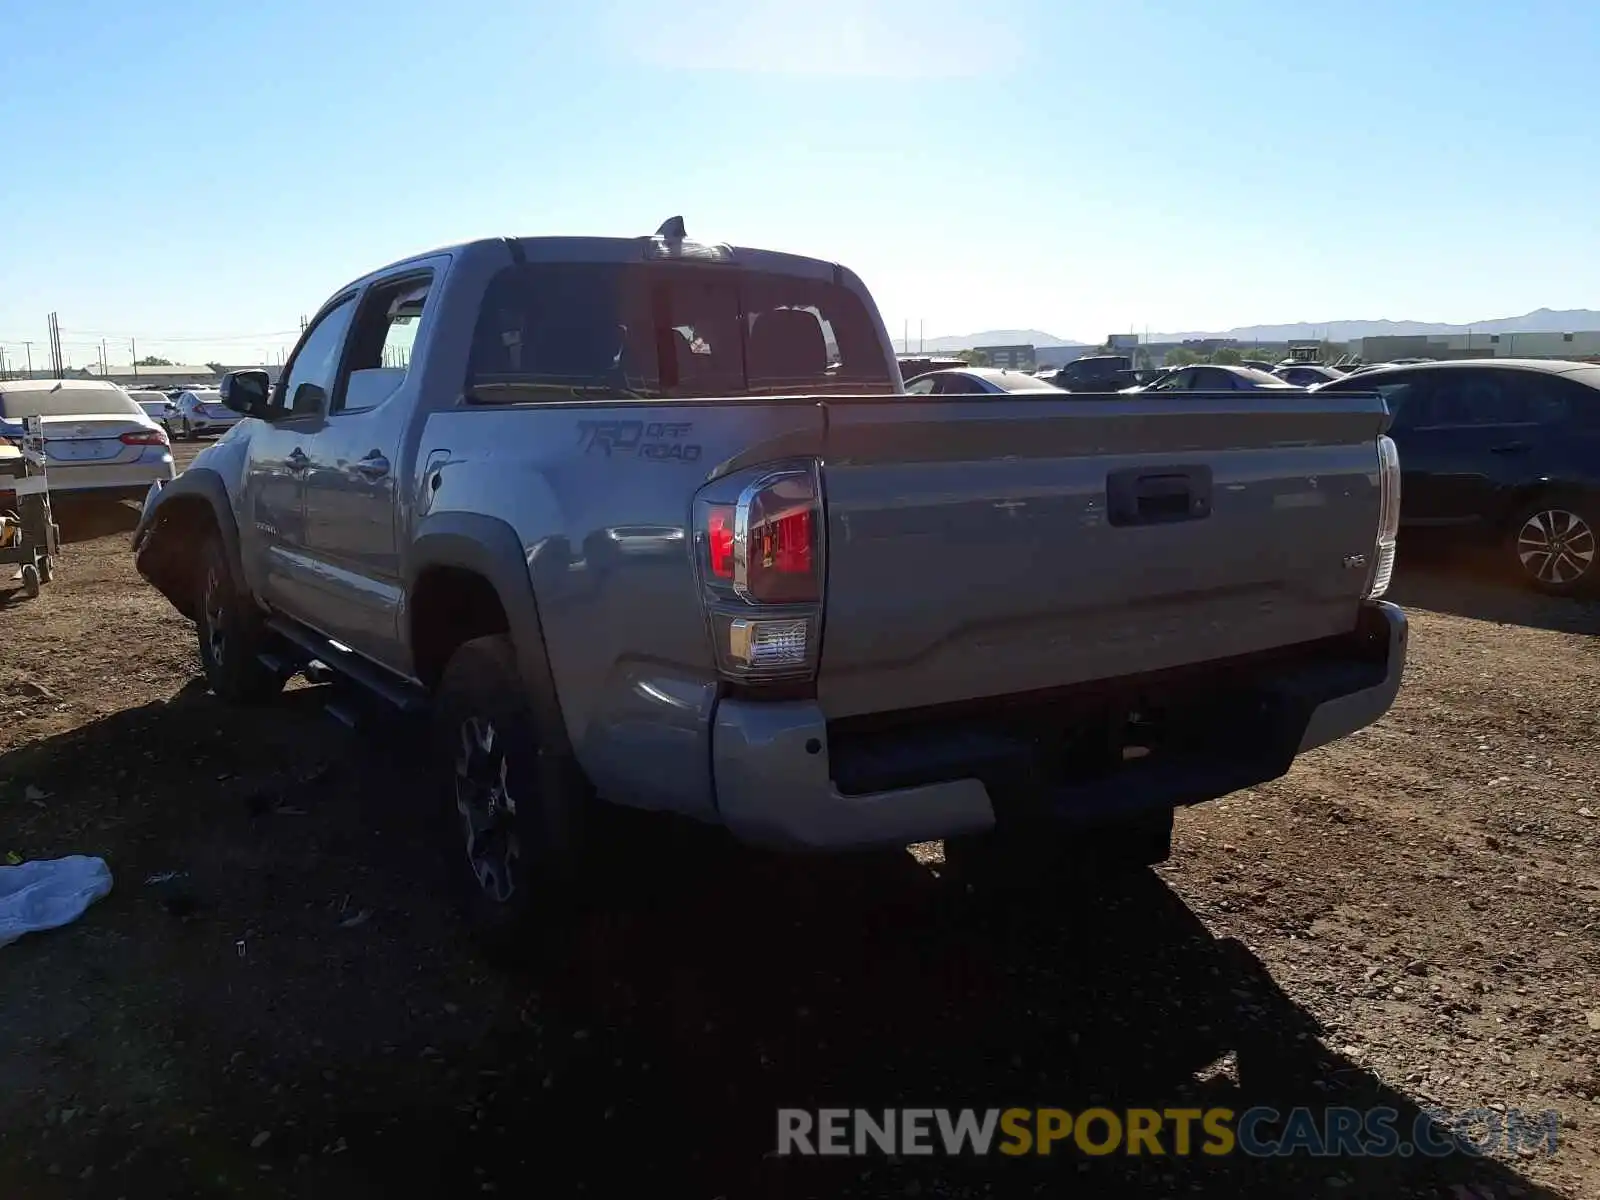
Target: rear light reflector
(1388,517)
(145,437)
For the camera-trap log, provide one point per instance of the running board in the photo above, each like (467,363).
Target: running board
(406,697)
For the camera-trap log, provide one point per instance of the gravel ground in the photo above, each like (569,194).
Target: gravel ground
(1408,919)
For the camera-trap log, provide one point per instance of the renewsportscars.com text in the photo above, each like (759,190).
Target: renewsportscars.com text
(1257,1132)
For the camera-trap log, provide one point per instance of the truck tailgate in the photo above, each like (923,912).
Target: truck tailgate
(984,547)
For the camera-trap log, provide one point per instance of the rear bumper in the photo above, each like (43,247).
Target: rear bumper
(785,778)
(119,479)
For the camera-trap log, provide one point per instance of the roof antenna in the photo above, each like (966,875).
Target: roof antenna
(672,229)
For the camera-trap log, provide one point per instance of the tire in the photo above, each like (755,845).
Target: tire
(514,821)
(30,581)
(1025,858)
(231,634)
(1553,544)
(188,431)
(47,569)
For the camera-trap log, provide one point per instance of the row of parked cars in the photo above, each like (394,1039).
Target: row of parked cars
(1503,453)
(186,413)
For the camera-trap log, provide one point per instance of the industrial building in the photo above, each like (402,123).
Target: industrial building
(1581,345)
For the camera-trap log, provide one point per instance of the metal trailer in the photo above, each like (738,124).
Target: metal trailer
(29,538)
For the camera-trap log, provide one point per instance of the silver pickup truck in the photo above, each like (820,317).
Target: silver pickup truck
(653,522)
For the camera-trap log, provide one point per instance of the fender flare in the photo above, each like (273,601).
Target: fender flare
(208,485)
(490,548)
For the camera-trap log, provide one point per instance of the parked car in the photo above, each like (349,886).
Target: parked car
(971,381)
(199,412)
(96,439)
(1209,377)
(1504,452)
(1096,373)
(589,530)
(157,406)
(1306,374)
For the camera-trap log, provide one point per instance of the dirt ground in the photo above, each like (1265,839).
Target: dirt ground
(1408,919)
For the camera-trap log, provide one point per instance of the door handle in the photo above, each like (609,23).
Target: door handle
(297,461)
(1511,448)
(373,466)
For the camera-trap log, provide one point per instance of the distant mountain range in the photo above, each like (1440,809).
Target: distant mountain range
(992,337)
(1541,320)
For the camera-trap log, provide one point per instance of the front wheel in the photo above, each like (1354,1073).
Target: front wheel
(30,581)
(47,569)
(232,636)
(1553,545)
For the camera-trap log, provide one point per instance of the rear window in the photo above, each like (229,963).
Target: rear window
(68,402)
(1256,376)
(670,329)
(1026,383)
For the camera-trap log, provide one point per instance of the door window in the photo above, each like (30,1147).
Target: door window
(385,330)
(315,367)
(921,387)
(1475,397)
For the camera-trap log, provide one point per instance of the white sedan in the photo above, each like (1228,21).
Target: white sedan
(201,411)
(97,441)
(977,381)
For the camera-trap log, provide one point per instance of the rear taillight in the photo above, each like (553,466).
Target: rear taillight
(1388,517)
(145,437)
(758,537)
(719,541)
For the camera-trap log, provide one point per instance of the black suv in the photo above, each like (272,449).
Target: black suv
(1504,450)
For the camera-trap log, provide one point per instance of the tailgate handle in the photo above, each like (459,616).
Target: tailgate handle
(1158,495)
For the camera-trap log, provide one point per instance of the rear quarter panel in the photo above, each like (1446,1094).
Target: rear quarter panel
(599,496)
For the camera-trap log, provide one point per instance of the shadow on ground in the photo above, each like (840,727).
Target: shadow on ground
(298,1015)
(83,519)
(1445,579)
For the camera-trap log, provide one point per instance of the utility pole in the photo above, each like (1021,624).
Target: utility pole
(133,355)
(905,337)
(28,349)
(103,369)
(921,324)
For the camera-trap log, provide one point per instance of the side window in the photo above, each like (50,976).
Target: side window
(1209,379)
(314,369)
(922,387)
(1546,397)
(380,343)
(1475,397)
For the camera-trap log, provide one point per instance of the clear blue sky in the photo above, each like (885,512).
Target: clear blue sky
(183,169)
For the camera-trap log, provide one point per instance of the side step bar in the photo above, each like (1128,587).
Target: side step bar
(404,696)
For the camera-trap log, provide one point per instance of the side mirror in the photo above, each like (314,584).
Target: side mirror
(245,392)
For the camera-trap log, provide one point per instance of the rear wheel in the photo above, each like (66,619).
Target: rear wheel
(47,569)
(232,636)
(1553,544)
(30,581)
(512,819)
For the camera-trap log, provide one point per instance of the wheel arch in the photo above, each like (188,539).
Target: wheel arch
(457,548)
(169,536)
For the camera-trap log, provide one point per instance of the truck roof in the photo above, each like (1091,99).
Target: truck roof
(577,249)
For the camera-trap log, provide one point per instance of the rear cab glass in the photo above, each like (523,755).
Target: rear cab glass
(101,401)
(658,329)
